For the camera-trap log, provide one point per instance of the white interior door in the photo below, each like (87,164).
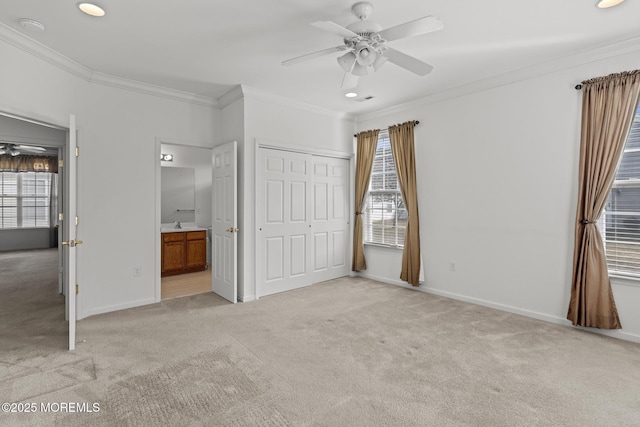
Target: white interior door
(283,218)
(69,230)
(330,222)
(225,220)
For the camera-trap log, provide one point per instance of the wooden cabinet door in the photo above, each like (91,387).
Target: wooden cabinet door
(173,256)
(196,253)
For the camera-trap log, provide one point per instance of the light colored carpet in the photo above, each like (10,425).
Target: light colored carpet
(348,352)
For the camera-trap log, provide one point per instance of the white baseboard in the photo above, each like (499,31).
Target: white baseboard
(620,334)
(116,307)
(247,298)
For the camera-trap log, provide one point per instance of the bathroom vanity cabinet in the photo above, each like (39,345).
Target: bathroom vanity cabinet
(184,252)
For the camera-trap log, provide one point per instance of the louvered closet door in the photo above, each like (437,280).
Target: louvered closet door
(283,209)
(330,219)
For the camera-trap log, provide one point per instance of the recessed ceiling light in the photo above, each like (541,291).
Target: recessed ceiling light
(603,4)
(30,24)
(91,9)
(350,94)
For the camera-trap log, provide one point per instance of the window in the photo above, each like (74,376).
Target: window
(25,199)
(385,216)
(621,218)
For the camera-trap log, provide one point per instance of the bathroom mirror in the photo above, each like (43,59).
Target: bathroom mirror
(178,196)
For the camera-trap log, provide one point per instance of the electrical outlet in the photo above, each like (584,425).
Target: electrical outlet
(452,266)
(137,272)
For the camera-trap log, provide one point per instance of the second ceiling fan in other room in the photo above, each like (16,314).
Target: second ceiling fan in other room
(15,149)
(366,44)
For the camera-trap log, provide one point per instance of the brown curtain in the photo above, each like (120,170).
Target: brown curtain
(608,108)
(367,142)
(402,147)
(22,163)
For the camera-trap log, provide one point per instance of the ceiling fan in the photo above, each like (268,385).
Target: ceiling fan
(366,44)
(14,150)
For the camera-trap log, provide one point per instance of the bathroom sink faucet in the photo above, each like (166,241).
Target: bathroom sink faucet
(178,226)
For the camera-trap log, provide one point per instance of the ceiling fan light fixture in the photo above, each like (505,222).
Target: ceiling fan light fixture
(13,152)
(366,56)
(359,70)
(379,62)
(604,4)
(347,61)
(2,151)
(91,9)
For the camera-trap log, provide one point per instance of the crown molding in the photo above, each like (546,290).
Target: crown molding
(149,89)
(581,57)
(230,97)
(56,59)
(37,49)
(243,91)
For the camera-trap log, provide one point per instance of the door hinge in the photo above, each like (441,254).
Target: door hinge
(77,288)
(60,163)
(61,217)
(77,151)
(77,220)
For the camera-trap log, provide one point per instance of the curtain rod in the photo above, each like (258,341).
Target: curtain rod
(416,123)
(578,86)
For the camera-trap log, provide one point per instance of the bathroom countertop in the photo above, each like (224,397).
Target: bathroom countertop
(176,230)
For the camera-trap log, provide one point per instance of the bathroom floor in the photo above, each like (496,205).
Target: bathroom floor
(183,285)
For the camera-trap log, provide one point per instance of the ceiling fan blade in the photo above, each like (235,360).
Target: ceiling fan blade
(31,148)
(312,55)
(334,28)
(419,26)
(408,62)
(349,81)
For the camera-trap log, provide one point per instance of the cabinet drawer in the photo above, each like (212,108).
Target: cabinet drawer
(172,237)
(196,235)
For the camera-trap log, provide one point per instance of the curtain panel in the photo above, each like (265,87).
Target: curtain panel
(608,108)
(26,163)
(403,149)
(366,150)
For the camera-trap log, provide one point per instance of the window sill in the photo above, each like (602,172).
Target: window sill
(380,245)
(618,279)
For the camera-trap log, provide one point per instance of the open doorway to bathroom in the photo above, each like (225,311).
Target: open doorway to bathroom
(185,218)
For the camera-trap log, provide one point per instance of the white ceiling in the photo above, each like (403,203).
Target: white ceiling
(207,47)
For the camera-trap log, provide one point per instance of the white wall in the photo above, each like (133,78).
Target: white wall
(269,119)
(497,182)
(117,136)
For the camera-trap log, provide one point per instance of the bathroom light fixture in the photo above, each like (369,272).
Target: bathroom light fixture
(350,94)
(166,157)
(91,9)
(604,4)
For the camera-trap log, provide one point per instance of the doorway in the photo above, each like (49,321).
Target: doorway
(31,263)
(185,188)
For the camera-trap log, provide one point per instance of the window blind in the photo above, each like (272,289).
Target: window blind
(385,215)
(620,221)
(25,199)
